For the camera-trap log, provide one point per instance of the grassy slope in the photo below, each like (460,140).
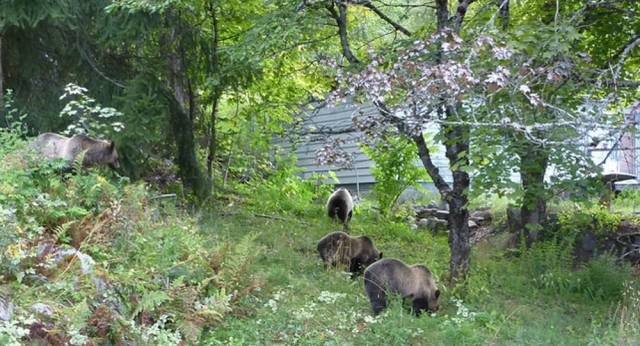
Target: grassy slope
(303,304)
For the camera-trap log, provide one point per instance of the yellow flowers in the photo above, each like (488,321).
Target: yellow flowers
(16,250)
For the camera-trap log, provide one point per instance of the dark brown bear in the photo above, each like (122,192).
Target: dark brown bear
(340,206)
(341,249)
(414,282)
(98,152)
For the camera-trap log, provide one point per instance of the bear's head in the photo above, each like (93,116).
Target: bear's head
(113,160)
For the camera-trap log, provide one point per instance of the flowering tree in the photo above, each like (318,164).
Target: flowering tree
(488,89)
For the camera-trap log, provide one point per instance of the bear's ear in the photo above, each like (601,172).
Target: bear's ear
(112,145)
(437,293)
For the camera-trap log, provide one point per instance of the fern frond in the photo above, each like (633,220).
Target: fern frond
(191,327)
(62,229)
(77,162)
(235,267)
(150,301)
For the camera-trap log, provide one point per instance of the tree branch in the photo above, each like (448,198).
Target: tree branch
(384,17)
(634,41)
(461,11)
(341,20)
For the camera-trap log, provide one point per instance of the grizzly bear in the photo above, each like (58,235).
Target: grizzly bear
(414,282)
(340,206)
(98,152)
(341,249)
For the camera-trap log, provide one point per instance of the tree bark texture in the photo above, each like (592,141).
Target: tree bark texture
(217,93)
(534,160)
(181,101)
(457,148)
(182,126)
(1,76)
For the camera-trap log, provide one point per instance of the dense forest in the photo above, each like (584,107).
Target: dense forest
(204,233)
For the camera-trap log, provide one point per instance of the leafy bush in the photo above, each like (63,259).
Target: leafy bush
(395,170)
(88,117)
(285,192)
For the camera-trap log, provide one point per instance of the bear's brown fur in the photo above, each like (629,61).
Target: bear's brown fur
(340,206)
(98,152)
(341,249)
(414,282)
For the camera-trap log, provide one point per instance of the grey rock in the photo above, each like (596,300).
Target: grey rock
(434,225)
(423,212)
(86,262)
(442,214)
(6,309)
(42,309)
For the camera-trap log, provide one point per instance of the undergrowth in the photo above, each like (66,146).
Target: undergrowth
(93,259)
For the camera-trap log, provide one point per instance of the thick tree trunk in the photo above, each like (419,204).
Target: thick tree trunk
(457,148)
(534,160)
(459,243)
(457,143)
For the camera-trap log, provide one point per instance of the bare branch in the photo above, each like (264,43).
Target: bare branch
(624,50)
(341,19)
(384,17)
(461,11)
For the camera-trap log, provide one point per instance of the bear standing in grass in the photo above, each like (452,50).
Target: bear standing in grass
(339,248)
(414,282)
(340,206)
(99,152)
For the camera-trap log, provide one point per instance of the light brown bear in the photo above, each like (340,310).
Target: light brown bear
(414,282)
(340,206)
(99,152)
(341,249)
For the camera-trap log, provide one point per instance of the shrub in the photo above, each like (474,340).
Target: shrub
(395,170)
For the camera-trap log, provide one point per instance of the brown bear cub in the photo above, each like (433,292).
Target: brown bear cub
(341,249)
(340,206)
(393,276)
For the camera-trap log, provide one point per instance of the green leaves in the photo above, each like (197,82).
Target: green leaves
(396,169)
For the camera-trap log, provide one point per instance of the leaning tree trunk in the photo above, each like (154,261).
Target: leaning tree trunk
(534,160)
(457,145)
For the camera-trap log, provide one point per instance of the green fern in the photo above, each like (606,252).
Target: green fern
(235,267)
(191,328)
(150,301)
(61,230)
(76,166)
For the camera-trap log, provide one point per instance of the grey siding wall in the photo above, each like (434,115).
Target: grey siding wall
(313,127)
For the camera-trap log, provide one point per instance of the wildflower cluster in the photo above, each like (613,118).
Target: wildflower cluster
(273,302)
(330,297)
(463,314)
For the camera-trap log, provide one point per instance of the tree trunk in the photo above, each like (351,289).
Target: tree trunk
(534,160)
(211,156)
(1,76)
(217,93)
(457,148)
(182,125)
(457,143)
(182,109)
